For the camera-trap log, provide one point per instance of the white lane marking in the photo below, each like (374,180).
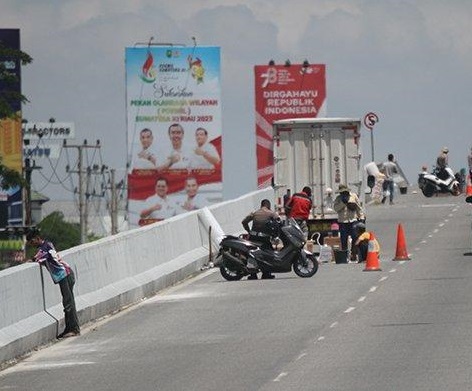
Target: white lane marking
(383,278)
(437,206)
(393,271)
(436,231)
(333,325)
(350,309)
(34,367)
(446,220)
(283,374)
(441,225)
(430,236)
(416,248)
(361,299)
(373,289)
(300,356)
(320,339)
(424,241)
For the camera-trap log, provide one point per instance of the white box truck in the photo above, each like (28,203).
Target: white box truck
(320,153)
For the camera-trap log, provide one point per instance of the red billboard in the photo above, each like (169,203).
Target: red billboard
(282,92)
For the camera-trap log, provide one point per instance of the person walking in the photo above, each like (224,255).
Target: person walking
(389,169)
(62,274)
(348,207)
(299,207)
(258,231)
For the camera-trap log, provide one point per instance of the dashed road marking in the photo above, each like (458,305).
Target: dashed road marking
(361,299)
(373,289)
(383,278)
(281,375)
(350,309)
(333,325)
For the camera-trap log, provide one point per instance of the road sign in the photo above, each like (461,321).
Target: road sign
(370,120)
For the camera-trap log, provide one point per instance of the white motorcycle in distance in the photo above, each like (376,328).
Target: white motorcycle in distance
(443,182)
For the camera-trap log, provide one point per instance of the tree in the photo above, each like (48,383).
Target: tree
(64,235)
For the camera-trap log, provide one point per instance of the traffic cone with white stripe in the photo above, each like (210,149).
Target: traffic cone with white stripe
(372,262)
(468,191)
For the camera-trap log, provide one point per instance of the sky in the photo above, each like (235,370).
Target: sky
(408,61)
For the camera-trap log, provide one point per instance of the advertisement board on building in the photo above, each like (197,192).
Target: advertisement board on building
(11,143)
(173,96)
(282,92)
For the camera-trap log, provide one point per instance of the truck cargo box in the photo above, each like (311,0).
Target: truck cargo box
(320,153)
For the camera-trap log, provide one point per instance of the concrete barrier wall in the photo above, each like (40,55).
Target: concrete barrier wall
(113,272)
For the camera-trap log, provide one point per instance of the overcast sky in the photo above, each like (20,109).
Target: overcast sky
(408,61)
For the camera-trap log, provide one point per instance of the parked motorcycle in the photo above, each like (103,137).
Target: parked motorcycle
(236,251)
(439,182)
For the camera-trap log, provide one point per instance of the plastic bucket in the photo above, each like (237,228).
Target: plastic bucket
(340,256)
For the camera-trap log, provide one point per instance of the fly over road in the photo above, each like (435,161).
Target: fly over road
(406,327)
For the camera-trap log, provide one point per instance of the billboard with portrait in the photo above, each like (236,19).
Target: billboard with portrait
(173,96)
(282,92)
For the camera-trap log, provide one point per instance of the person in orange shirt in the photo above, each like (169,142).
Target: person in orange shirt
(362,243)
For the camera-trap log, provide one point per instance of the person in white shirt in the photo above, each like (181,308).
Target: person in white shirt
(180,157)
(192,199)
(147,157)
(205,155)
(159,206)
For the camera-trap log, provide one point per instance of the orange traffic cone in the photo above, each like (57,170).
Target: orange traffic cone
(468,191)
(372,263)
(401,253)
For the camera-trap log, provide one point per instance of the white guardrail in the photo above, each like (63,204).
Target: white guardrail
(114,272)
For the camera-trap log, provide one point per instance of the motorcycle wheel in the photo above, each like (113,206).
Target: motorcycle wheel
(231,275)
(428,190)
(456,190)
(306,266)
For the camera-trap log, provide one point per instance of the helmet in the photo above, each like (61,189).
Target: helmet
(360,225)
(445,149)
(329,190)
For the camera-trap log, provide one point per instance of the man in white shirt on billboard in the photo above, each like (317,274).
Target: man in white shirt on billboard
(205,155)
(192,200)
(179,158)
(159,206)
(146,158)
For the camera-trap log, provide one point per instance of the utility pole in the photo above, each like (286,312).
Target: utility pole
(83,210)
(114,204)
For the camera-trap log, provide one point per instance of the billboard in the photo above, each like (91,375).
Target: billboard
(10,129)
(282,92)
(174,128)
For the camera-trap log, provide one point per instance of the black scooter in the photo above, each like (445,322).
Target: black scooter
(236,251)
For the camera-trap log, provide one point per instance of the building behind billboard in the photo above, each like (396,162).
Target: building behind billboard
(173,96)
(282,92)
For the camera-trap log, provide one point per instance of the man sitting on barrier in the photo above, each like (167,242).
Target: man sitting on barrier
(257,232)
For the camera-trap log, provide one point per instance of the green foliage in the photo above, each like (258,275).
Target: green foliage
(10,96)
(64,235)
(9,178)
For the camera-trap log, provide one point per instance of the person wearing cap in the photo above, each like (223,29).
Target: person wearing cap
(349,209)
(299,207)
(258,232)
(442,163)
(61,274)
(362,242)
